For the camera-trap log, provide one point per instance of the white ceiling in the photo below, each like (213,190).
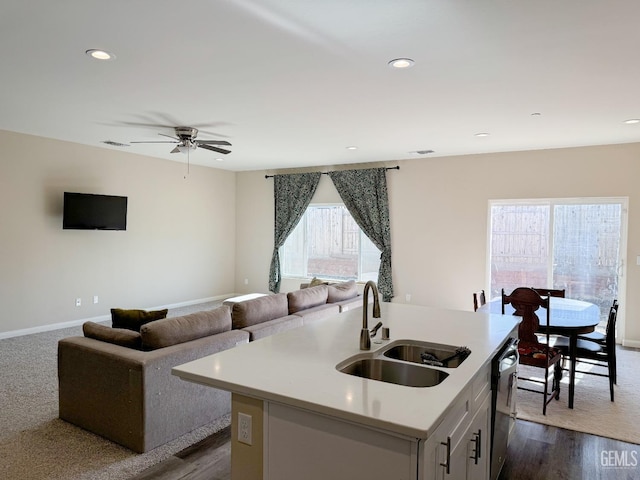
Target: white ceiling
(292,83)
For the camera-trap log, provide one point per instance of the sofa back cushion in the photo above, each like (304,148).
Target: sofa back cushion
(117,336)
(307,298)
(342,291)
(172,331)
(133,319)
(258,310)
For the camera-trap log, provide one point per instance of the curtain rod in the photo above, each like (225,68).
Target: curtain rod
(397,167)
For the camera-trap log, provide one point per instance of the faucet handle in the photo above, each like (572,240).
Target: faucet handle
(375,329)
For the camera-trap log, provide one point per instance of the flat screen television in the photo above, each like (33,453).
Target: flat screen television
(86,211)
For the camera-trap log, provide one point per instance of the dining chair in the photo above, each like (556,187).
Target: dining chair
(594,353)
(599,337)
(550,292)
(525,302)
(479,299)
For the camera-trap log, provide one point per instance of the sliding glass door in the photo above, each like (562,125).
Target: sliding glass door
(575,244)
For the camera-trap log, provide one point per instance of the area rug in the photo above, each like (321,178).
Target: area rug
(36,445)
(593,412)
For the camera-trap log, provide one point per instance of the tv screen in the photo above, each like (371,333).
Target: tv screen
(85,211)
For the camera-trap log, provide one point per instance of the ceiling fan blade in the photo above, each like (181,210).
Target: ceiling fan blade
(157,141)
(175,150)
(170,136)
(213,142)
(141,124)
(214,149)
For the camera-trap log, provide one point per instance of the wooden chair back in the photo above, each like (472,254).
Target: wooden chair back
(526,301)
(479,299)
(550,292)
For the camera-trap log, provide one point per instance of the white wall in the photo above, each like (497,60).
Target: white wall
(439,217)
(179,245)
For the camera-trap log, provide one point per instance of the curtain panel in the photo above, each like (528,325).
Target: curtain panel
(292,195)
(364,193)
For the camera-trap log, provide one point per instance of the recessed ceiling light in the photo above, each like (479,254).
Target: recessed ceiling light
(100,54)
(401,63)
(482,134)
(352,147)
(536,114)
(632,121)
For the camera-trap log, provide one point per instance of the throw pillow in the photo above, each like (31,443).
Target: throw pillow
(316,281)
(117,336)
(133,319)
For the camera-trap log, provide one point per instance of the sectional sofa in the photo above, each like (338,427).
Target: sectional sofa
(117,382)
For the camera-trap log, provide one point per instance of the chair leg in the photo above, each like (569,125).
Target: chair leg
(557,378)
(614,363)
(546,386)
(612,376)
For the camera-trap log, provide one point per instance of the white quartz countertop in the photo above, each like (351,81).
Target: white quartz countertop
(298,367)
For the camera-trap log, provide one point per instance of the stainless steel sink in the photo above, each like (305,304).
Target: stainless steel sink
(394,372)
(417,352)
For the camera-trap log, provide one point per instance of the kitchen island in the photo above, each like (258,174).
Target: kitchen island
(296,416)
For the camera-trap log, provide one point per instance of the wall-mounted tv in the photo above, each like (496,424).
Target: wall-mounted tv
(86,211)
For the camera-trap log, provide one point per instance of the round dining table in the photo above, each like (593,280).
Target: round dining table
(568,317)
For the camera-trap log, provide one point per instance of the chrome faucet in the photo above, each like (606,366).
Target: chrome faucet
(365,338)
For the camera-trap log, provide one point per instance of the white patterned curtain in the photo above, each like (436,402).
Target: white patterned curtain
(364,193)
(292,195)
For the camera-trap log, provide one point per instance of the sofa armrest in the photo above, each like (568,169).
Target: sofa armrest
(131,397)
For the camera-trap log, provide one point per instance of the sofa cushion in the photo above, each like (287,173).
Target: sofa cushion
(342,291)
(258,310)
(271,327)
(319,312)
(133,319)
(307,298)
(172,331)
(118,336)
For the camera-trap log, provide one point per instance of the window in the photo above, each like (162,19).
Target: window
(575,244)
(328,244)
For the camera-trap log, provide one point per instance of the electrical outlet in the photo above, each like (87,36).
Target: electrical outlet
(95,299)
(246,281)
(78,302)
(244,428)
(407,297)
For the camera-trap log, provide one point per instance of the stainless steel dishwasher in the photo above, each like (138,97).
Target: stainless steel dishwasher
(504,378)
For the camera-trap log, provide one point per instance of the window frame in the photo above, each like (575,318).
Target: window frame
(304,222)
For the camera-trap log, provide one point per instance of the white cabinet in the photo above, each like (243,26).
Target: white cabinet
(459,447)
(301,444)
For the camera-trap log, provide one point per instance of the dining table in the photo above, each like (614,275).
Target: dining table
(568,317)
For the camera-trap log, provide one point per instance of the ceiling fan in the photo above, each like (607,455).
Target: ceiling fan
(185,141)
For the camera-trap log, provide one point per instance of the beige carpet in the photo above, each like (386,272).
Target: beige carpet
(36,445)
(593,410)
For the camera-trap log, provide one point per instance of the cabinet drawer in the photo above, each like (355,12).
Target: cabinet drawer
(481,387)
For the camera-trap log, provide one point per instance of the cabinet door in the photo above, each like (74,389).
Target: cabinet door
(478,443)
(460,456)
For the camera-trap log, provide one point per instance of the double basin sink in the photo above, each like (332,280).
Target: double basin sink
(406,362)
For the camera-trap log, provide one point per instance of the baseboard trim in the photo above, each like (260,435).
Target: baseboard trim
(102,318)
(631,343)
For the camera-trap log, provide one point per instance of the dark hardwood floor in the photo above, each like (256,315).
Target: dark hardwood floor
(536,452)
(539,452)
